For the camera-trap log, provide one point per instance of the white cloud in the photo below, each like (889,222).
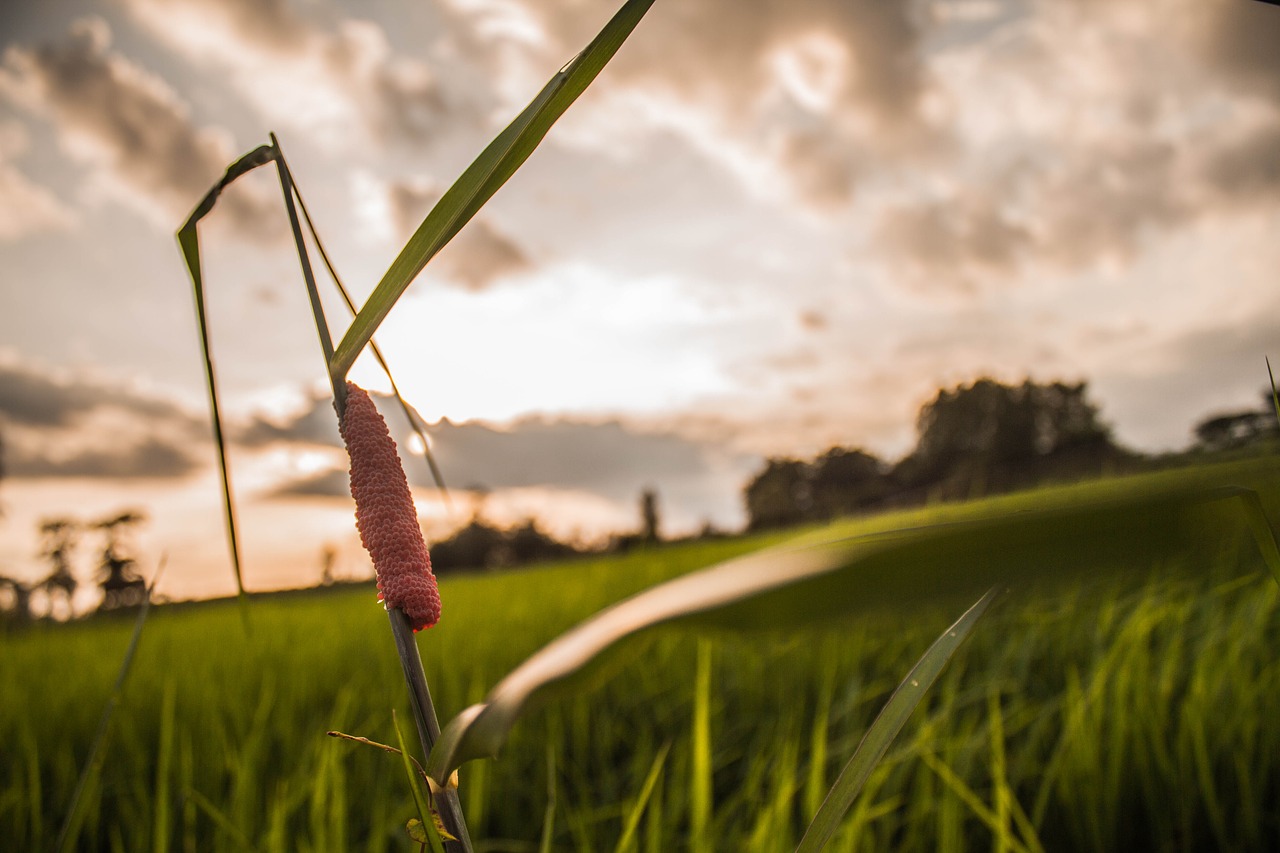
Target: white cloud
(343,84)
(127,125)
(26,208)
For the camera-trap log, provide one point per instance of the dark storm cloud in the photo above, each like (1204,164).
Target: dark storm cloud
(115,115)
(478,257)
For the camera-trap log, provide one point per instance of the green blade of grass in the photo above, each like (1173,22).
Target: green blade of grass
(189,242)
(892,717)
(419,800)
(632,822)
(495,165)
(1263,534)
(808,583)
(70,831)
(700,783)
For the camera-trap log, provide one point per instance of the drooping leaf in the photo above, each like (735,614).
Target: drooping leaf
(816,581)
(495,165)
(189,242)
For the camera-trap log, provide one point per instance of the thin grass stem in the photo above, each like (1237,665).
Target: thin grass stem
(415,421)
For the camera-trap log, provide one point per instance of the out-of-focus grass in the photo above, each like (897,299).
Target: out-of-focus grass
(1133,712)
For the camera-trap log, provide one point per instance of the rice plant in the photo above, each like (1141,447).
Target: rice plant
(797,585)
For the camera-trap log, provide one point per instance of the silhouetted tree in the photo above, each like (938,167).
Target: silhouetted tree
(844,481)
(328,559)
(15,601)
(649,521)
(989,436)
(59,538)
(527,544)
(121,585)
(1235,430)
(779,495)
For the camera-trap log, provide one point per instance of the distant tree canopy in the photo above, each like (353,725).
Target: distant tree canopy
(1236,430)
(989,436)
(973,439)
(482,546)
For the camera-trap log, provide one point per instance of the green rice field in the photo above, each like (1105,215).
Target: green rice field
(1127,711)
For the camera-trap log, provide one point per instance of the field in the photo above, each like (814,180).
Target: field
(1132,710)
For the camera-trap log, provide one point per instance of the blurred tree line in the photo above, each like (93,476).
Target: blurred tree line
(980,439)
(973,440)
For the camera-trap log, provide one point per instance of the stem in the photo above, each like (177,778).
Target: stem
(424,716)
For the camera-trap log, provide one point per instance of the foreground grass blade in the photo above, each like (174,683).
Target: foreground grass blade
(67,836)
(424,810)
(632,823)
(189,242)
(875,743)
(495,165)
(805,584)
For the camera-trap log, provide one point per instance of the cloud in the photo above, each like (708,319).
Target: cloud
(1245,171)
(26,208)
(954,244)
(1159,397)
(479,256)
(152,457)
(58,426)
(609,459)
(861,54)
(128,126)
(802,93)
(1239,41)
(33,396)
(316,424)
(327,484)
(1085,133)
(345,81)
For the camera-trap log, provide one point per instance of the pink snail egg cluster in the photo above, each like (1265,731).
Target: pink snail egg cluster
(385,515)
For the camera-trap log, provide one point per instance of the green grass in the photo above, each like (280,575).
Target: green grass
(1128,712)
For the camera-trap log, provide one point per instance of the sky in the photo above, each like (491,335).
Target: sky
(768,228)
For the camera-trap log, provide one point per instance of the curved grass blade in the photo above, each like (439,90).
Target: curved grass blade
(189,242)
(809,583)
(892,717)
(497,163)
